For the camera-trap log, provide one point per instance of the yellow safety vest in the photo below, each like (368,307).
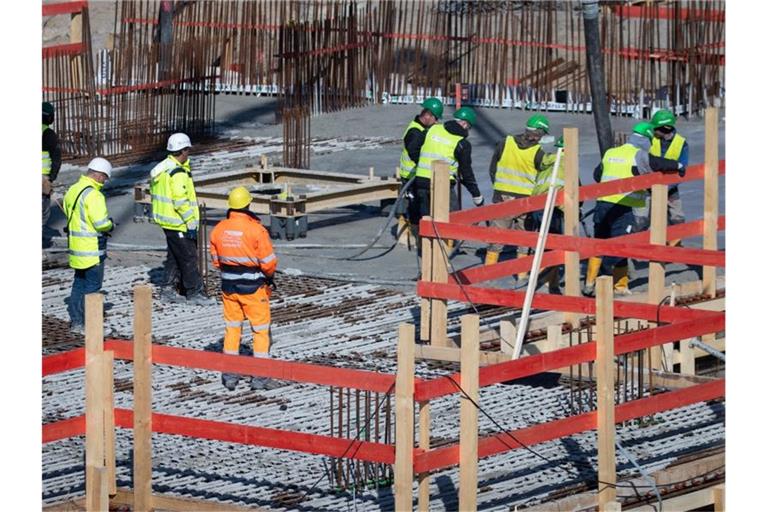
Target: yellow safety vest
(542,178)
(617,165)
(439,144)
(408,166)
(515,170)
(47,163)
(86,211)
(174,202)
(673,151)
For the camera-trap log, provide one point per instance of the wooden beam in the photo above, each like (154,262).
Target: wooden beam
(711,198)
(470,380)
(440,210)
(656,275)
(109,421)
(507,337)
(94,398)
(142,398)
(612,506)
(571,217)
(606,449)
(424,427)
(718,497)
(426,275)
(404,418)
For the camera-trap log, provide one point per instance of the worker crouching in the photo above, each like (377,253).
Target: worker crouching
(240,247)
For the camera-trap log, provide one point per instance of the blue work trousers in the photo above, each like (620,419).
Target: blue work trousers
(612,220)
(86,281)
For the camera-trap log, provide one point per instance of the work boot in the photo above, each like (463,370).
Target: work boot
(491,257)
(522,276)
(77,329)
(230,380)
(593,267)
(263,383)
(588,290)
(621,280)
(168,294)
(199,299)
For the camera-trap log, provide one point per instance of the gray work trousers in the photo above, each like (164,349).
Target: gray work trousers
(508,222)
(46,209)
(675,213)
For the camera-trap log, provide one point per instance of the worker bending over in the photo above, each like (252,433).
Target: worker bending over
(88,224)
(514,166)
(447,142)
(613,214)
(241,249)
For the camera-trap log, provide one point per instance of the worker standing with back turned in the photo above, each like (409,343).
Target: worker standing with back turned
(614,214)
(174,208)
(514,166)
(241,249)
(51,159)
(447,142)
(669,144)
(88,224)
(413,138)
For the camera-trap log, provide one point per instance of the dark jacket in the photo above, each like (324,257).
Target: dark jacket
(51,144)
(413,140)
(463,155)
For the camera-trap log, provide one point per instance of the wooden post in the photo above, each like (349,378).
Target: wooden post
(264,161)
(571,217)
(440,203)
(76,36)
(507,336)
(656,276)
(470,373)
(606,449)
(710,195)
(94,398)
(424,426)
(426,275)
(142,398)
(109,422)
(404,418)
(101,486)
(554,337)
(613,506)
(718,497)
(370,173)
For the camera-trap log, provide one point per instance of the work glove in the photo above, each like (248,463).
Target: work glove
(680,169)
(191,234)
(270,280)
(112,227)
(479,200)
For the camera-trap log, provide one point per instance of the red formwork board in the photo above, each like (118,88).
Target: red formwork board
(64,8)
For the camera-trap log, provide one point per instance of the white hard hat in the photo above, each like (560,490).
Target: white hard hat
(101,165)
(178,141)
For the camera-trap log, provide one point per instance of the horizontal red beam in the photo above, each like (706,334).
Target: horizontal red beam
(266,437)
(64,361)
(64,8)
(447,456)
(605,247)
(570,356)
(586,192)
(152,85)
(64,429)
(669,13)
(544,301)
(68,49)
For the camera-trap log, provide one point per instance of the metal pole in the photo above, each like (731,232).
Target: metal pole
(596,74)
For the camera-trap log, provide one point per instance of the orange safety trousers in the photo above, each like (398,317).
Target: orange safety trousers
(254,307)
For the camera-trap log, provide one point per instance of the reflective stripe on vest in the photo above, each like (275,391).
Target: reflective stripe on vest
(617,165)
(47,162)
(407,166)
(241,279)
(674,149)
(165,210)
(516,170)
(543,177)
(84,243)
(439,144)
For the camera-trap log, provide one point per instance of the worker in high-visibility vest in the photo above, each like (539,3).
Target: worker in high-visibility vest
(413,138)
(614,213)
(240,247)
(174,208)
(51,159)
(88,224)
(447,142)
(514,166)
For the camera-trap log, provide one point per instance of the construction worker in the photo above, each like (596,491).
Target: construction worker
(614,214)
(514,166)
(541,186)
(174,208)
(51,159)
(413,138)
(241,249)
(88,224)
(447,142)
(669,144)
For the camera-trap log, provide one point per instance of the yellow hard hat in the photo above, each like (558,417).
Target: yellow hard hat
(239,198)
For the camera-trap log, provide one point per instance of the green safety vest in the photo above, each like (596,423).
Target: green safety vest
(86,211)
(439,144)
(47,163)
(673,151)
(515,170)
(617,165)
(407,166)
(174,202)
(542,178)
